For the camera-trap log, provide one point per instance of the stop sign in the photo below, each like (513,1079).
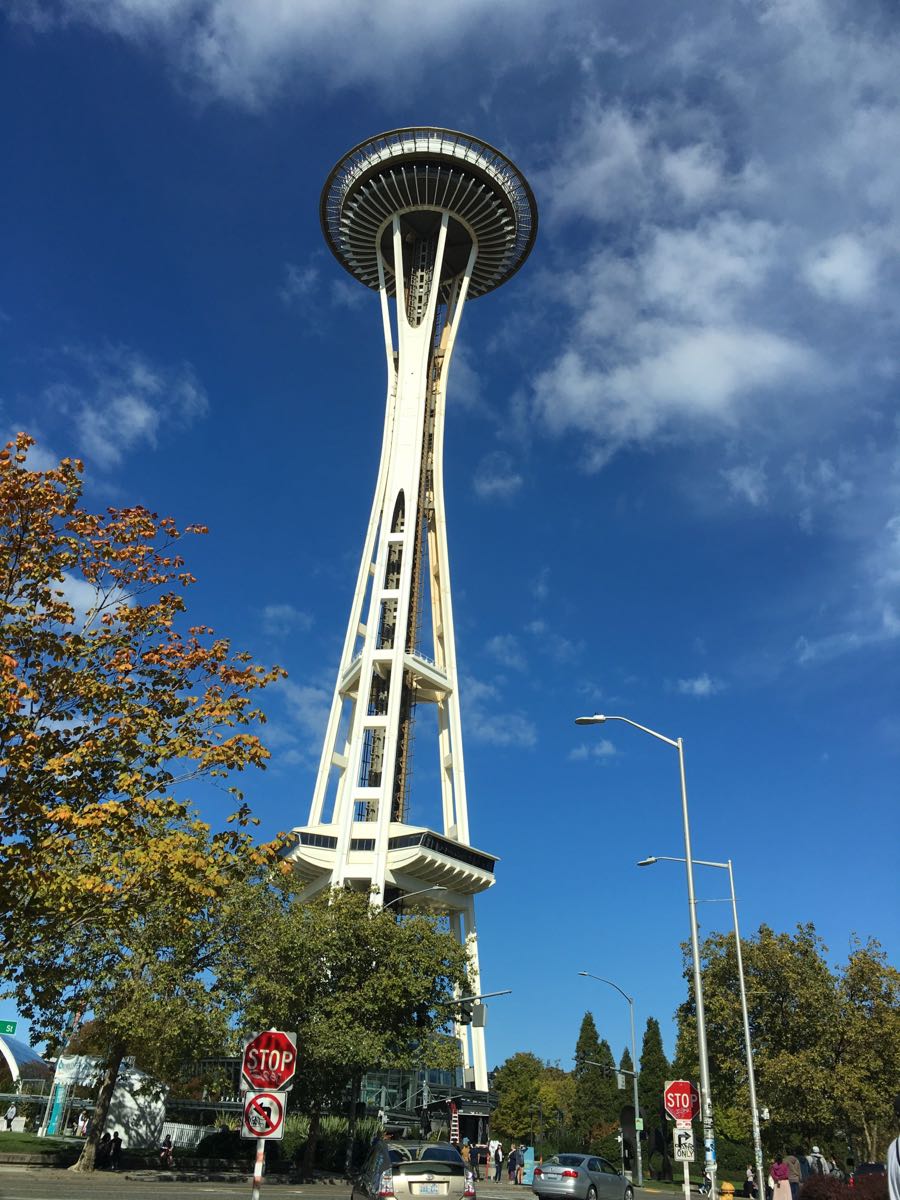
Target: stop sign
(270,1060)
(681,1100)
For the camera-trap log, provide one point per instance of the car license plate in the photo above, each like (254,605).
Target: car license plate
(427,1189)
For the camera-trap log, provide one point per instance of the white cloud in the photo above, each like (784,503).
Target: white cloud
(602,748)
(485,721)
(247,51)
(540,585)
(496,477)
(700,685)
(505,648)
(116,400)
(308,706)
(281,619)
(885,628)
(843,268)
(694,171)
(299,284)
(748,482)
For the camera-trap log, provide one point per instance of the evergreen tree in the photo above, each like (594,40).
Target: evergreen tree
(587,1109)
(654,1071)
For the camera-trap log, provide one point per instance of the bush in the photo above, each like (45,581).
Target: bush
(224,1143)
(828,1187)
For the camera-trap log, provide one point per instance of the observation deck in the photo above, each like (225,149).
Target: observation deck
(418,173)
(422,854)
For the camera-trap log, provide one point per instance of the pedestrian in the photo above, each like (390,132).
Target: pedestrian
(10,1115)
(165,1153)
(498,1162)
(795,1173)
(834,1169)
(892,1160)
(816,1162)
(115,1151)
(466,1152)
(81,1127)
(101,1154)
(511,1163)
(520,1164)
(778,1176)
(750,1189)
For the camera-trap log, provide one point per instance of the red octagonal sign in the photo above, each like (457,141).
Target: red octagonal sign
(681,1099)
(270,1060)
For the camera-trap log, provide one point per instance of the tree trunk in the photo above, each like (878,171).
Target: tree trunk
(355,1085)
(312,1140)
(98,1121)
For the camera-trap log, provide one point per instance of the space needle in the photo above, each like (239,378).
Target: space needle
(429,219)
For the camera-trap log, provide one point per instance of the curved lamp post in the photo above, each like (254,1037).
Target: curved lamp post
(751,1075)
(634,1073)
(709,1144)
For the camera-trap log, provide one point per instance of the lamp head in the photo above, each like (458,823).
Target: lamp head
(648,862)
(596,719)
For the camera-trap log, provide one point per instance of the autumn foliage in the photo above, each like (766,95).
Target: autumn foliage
(112,704)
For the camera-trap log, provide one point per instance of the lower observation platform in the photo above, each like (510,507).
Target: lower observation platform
(416,858)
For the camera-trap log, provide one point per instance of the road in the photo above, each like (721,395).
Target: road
(47,1183)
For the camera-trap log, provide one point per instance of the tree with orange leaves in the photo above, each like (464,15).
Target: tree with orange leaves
(112,892)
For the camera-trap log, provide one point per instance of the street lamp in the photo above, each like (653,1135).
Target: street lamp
(705,1089)
(634,1073)
(751,1076)
(438,887)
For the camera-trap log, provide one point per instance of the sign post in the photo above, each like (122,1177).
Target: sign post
(681,1100)
(267,1072)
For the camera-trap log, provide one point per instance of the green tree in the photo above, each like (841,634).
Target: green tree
(826,1042)
(518,1083)
(595,1116)
(866,1074)
(108,881)
(362,989)
(557,1098)
(654,1071)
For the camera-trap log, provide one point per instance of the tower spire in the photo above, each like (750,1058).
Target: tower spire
(429,219)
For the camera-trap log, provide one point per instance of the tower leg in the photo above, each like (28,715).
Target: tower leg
(479,1054)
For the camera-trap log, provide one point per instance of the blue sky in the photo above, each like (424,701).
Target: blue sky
(672,451)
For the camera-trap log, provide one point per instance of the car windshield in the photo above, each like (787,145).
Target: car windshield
(440,1154)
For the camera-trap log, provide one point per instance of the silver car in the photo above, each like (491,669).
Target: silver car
(407,1170)
(580,1177)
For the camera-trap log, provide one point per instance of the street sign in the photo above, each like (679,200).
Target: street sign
(264,1115)
(681,1100)
(270,1060)
(8,1028)
(684,1145)
(639,1123)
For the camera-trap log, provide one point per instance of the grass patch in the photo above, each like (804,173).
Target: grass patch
(30,1143)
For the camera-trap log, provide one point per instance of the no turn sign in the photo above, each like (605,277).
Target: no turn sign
(263,1115)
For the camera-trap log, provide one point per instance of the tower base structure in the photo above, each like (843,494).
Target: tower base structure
(428,218)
